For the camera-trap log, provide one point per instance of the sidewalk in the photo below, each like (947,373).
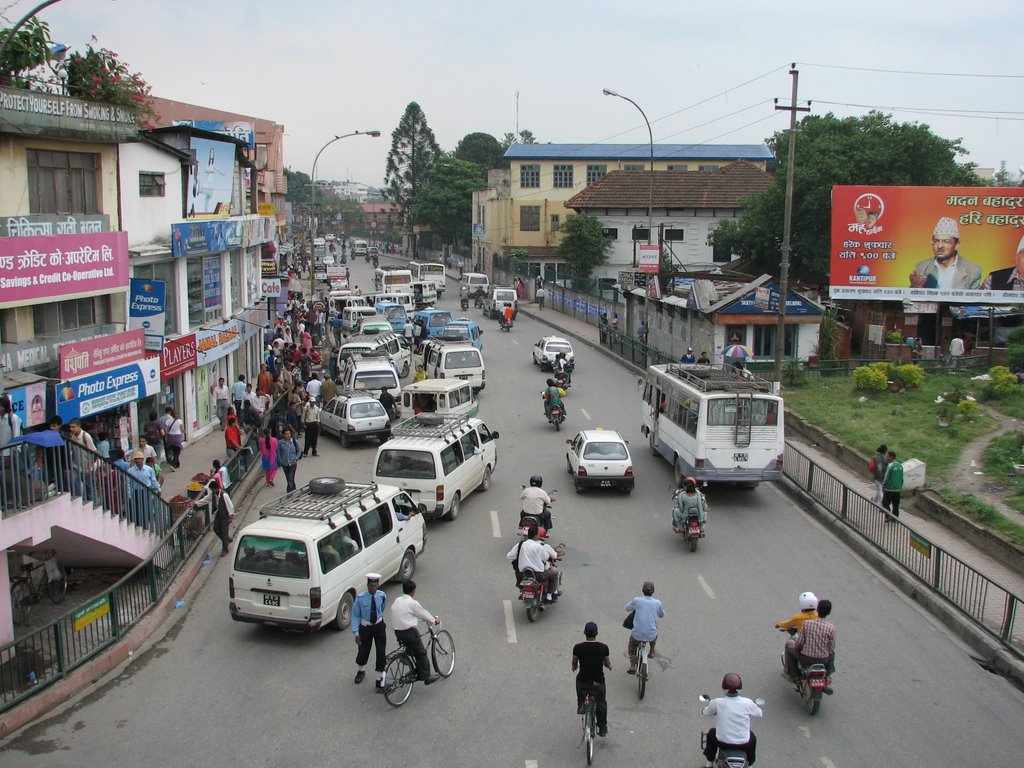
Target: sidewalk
(930,529)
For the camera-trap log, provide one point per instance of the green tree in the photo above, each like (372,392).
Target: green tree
(446,202)
(414,152)
(299,186)
(525,137)
(482,149)
(29,49)
(583,245)
(829,150)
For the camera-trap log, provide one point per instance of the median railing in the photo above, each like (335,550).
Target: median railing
(989,605)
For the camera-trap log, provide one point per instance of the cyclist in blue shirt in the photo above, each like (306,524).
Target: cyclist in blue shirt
(645,623)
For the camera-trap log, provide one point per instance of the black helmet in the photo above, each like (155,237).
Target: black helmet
(536,481)
(551,382)
(731,682)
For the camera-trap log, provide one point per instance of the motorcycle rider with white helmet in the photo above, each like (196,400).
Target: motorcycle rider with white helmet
(793,625)
(536,503)
(732,714)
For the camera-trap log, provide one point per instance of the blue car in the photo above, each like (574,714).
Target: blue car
(463,330)
(395,313)
(433,320)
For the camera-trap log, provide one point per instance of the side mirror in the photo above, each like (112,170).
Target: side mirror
(704,698)
(568,442)
(421,508)
(495,435)
(759,701)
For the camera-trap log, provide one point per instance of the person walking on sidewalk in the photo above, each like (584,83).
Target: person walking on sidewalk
(877,469)
(892,484)
(268,450)
(288,455)
(311,420)
(222,399)
(154,433)
(541,295)
(238,394)
(175,439)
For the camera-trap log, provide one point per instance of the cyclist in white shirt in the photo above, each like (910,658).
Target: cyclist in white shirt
(406,613)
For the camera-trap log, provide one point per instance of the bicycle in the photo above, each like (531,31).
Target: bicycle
(26,592)
(588,710)
(400,671)
(643,650)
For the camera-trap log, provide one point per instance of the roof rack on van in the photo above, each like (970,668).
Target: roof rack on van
(307,504)
(430,425)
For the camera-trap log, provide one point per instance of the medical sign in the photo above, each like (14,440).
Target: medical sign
(955,244)
(146,311)
(84,396)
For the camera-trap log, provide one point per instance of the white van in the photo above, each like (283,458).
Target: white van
(371,374)
(444,397)
(474,282)
(338,300)
(454,360)
(438,461)
(351,315)
(424,293)
(360,248)
(377,343)
(301,565)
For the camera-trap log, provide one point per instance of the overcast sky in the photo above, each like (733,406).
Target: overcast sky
(704,72)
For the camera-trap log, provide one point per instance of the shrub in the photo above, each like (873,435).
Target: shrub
(894,337)
(967,408)
(793,373)
(871,378)
(909,375)
(1015,356)
(1003,383)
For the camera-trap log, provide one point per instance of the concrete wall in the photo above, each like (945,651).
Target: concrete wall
(147,219)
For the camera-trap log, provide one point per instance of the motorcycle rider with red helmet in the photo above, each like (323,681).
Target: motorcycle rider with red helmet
(732,714)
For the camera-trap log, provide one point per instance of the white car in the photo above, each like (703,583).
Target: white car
(355,417)
(545,350)
(599,458)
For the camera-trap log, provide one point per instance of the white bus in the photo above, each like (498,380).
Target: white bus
(713,423)
(393,280)
(433,271)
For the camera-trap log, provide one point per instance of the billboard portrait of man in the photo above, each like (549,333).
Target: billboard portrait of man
(947,269)
(1011,278)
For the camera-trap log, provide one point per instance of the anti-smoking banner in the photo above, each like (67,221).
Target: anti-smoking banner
(146,311)
(957,244)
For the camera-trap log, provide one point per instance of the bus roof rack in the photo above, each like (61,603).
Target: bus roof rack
(719,378)
(322,503)
(430,425)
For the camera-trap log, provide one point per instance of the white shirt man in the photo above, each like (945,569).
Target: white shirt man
(534,500)
(406,611)
(313,387)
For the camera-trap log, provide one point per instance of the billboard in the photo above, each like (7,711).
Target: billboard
(954,244)
(210,180)
(146,310)
(99,392)
(82,358)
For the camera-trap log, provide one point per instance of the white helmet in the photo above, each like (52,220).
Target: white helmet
(808,602)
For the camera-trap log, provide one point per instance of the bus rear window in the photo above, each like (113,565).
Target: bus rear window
(271,556)
(415,465)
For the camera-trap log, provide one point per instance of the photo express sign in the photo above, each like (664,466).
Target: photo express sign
(887,243)
(83,397)
(146,311)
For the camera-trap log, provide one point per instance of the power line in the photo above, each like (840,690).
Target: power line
(969,114)
(912,72)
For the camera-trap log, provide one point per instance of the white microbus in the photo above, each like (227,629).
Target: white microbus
(433,271)
(713,423)
(392,280)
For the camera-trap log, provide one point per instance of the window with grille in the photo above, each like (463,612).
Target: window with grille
(529,218)
(59,317)
(563,176)
(529,176)
(641,233)
(595,172)
(63,182)
(612,233)
(709,167)
(632,166)
(151,184)
(674,234)
(554,222)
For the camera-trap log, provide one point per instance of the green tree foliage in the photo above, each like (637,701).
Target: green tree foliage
(414,152)
(99,75)
(482,149)
(299,186)
(29,49)
(446,202)
(829,150)
(584,245)
(524,137)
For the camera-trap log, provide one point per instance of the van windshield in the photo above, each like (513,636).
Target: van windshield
(417,465)
(271,556)
(468,358)
(375,380)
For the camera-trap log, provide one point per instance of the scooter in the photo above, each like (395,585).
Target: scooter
(728,757)
(556,416)
(813,681)
(505,325)
(691,530)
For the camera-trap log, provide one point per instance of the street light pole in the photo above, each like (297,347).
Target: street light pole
(313,220)
(650,137)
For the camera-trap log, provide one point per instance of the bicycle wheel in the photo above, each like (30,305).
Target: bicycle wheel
(588,733)
(400,675)
(442,653)
(57,587)
(641,679)
(21,602)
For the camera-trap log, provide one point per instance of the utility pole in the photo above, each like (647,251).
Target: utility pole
(780,331)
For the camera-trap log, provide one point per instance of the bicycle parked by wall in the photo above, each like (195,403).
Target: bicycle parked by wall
(27,589)
(400,668)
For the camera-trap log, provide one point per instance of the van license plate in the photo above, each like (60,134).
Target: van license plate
(272,600)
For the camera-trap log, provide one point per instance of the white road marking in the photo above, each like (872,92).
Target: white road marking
(585,414)
(827,763)
(530,764)
(510,623)
(515,342)
(706,587)
(495,530)
(806,731)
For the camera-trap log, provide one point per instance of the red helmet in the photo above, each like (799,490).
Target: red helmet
(731,682)
(689,483)
(542,532)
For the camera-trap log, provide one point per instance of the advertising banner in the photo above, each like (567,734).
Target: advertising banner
(82,397)
(178,356)
(64,266)
(29,403)
(210,180)
(650,258)
(214,344)
(196,237)
(236,129)
(146,310)
(954,244)
(81,358)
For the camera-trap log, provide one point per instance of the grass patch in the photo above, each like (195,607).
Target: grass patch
(998,461)
(907,421)
(985,514)
(1012,405)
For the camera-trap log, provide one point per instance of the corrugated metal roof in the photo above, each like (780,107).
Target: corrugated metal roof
(638,152)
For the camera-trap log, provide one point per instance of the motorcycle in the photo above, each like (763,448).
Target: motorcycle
(464,302)
(556,416)
(563,379)
(813,681)
(691,530)
(542,520)
(532,590)
(505,325)
(478,301)
(728,757)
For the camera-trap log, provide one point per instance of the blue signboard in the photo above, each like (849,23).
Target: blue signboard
(211,282)
(88,395)
(146,310)
(195,237)
(795,304)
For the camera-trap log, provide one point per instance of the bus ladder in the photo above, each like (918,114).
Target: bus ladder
(744,414)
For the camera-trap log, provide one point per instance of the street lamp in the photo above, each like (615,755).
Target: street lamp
(313,220)
(650,136)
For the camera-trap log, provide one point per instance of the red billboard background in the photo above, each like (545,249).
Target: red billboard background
(881,234)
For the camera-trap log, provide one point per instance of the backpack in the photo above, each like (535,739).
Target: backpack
(153,433)
(872,465)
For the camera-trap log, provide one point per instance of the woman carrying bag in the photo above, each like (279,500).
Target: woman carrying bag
(175,440)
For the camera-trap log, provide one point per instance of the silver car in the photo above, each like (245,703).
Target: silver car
(355,416)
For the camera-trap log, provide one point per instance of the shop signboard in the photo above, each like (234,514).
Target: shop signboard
(192,238)
(178,356)
(147,311)
(81,358)
(88,395)
(270,287)
(29,403)
(954,244)
(66,266)
(748,305)
(214,344)
(650,257)
(242,130)
(38,224)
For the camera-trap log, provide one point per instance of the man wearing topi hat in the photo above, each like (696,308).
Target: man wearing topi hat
(1011,278)
(368,627)
(947,269)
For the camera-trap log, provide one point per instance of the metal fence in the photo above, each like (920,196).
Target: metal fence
(990,606)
